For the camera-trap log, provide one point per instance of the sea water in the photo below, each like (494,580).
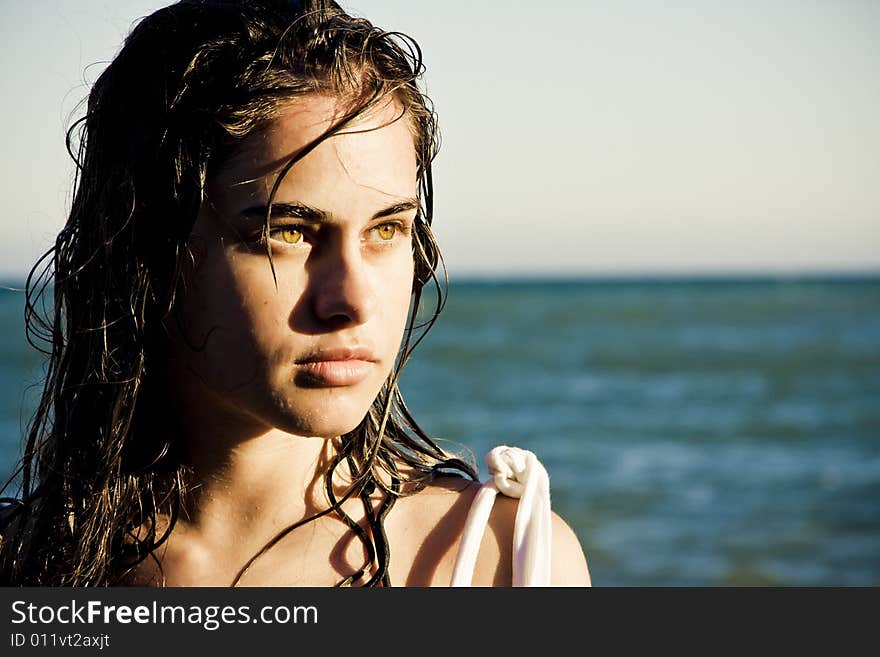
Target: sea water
(697,432)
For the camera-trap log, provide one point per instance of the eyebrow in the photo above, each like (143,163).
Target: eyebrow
(308,213)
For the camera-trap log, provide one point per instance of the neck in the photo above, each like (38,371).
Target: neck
(244,477)
(271,472)
(250,479)
(244,483)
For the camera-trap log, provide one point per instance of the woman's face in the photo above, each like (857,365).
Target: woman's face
(310,355)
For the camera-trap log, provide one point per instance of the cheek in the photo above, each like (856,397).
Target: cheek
(400,296)
(260,314)
(402,287)
(228,305)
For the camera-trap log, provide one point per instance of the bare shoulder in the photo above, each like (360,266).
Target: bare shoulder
(569,566)
(495,561)
(425,532)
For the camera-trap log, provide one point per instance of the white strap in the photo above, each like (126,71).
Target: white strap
(516,473)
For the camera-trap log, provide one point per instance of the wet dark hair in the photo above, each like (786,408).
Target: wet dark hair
(191,82)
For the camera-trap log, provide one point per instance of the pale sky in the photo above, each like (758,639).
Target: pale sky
(579,137)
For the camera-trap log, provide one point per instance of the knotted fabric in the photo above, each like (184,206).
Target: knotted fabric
(515,473)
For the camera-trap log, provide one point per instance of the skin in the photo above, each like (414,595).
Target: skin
(261,423)
(344,277)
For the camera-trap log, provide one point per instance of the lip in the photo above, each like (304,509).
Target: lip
(334,367)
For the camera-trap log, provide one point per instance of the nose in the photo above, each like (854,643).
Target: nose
(344,293)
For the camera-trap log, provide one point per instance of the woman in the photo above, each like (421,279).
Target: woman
(236,292)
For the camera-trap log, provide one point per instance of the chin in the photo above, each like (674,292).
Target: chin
(334,415)
(319,429)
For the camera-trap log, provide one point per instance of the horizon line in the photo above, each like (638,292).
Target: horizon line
(15,283)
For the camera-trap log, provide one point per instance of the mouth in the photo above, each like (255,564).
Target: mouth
(334,368)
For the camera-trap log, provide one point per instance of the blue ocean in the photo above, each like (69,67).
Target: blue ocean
(697,432)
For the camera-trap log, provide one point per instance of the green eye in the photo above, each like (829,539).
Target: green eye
(386,231)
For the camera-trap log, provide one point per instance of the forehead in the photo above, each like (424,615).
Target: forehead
(381,135)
